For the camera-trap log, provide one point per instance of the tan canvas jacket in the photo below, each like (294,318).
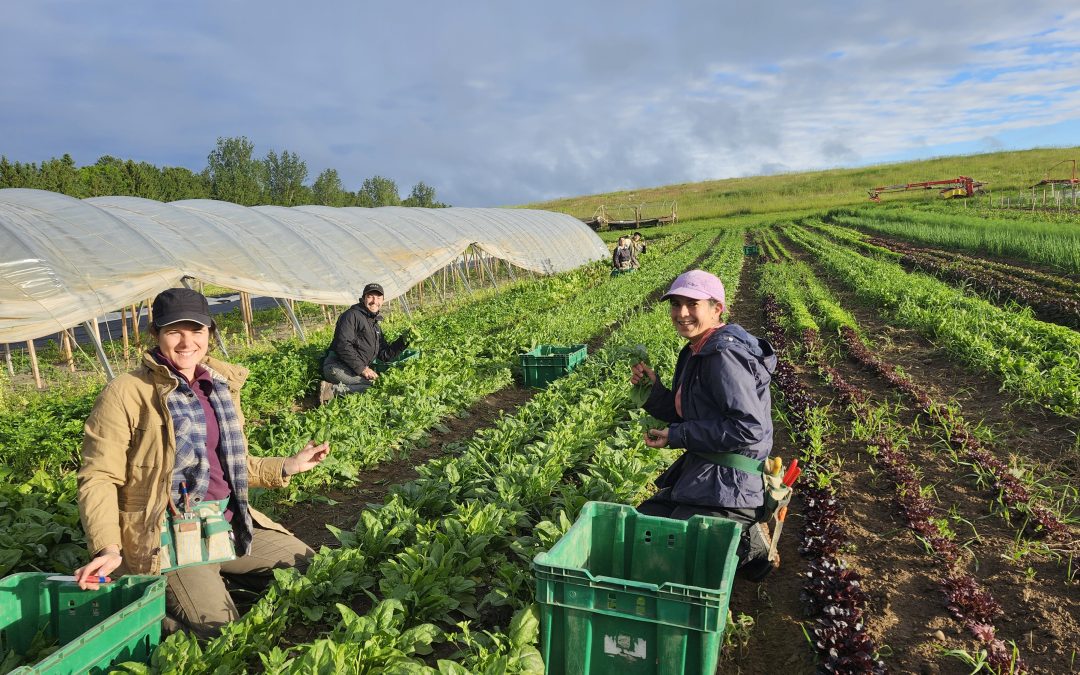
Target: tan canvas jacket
(127,461)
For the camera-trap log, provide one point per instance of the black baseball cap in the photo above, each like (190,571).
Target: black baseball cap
(181,304)
(372,288)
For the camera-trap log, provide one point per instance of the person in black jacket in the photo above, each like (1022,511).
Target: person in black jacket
(358,340)
(720,405)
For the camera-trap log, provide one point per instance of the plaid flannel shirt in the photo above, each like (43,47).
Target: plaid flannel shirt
(192,465)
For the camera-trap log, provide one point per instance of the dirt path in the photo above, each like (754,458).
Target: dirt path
(775,643)
(308,521)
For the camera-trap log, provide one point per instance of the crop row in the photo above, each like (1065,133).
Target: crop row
(1051,298)
(1047,304)
(971,603)
(838,603)
(456,542)
(799,289)
(459,364)
(1053,244)
(1053,282)
(1038,361)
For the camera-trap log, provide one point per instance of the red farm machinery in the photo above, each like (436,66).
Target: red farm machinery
(961,186)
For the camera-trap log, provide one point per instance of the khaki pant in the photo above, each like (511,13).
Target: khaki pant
(197,598)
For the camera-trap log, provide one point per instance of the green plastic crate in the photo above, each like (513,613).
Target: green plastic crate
(119,622)
(751,249)
(406,355)
(627,593)
(547,363)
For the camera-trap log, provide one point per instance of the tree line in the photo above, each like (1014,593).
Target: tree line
(232,174)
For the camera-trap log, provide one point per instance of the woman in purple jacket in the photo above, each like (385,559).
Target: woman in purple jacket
(719,403)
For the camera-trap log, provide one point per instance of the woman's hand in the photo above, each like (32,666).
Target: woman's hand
(307,459)
(656,438)
(369,373)
(639,371)
(101,566)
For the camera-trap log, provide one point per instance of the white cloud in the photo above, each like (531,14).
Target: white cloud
(496,103)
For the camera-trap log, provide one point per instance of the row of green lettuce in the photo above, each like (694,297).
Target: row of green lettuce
(1037,361)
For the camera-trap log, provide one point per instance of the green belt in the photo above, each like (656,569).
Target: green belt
(735,461)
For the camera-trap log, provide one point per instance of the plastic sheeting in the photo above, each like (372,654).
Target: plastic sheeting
(65,260)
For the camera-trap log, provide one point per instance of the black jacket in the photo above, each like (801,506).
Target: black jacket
(726,407)
(358,339)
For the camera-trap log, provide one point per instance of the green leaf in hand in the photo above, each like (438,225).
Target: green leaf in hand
(639,353)
(640,392)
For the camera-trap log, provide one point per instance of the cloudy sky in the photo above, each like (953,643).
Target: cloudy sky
(497,103)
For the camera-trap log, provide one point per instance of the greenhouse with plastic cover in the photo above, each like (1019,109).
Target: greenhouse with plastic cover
(66,262)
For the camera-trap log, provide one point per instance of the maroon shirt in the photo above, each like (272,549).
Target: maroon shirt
(202,385)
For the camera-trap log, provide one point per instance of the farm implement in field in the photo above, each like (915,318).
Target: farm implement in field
(633,216)
(961,186)
(1070,182)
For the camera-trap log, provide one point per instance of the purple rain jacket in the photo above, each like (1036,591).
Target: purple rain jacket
(726,407)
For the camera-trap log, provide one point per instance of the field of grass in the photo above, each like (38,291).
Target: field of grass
(1006,173)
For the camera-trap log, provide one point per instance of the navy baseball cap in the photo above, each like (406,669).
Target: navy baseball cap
(372,288)
(181,304)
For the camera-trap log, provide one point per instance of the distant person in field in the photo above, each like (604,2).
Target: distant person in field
(358,340)
(622,258)
(637,248)
(718,403)
(167,439)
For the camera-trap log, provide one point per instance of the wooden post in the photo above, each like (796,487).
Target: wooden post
(135,326)
(66,351)
(34,364)
(248,316)
(7,360)
(124,331)
(244,316)
(149,312)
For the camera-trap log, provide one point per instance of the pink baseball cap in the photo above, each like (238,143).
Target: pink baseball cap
(697,284)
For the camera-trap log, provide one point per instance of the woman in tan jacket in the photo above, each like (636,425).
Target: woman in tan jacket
(168,438)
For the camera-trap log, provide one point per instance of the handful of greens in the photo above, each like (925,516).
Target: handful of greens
(640,392)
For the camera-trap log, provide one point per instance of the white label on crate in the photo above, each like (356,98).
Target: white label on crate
(619,645)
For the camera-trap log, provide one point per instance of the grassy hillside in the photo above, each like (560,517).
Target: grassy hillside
(1006,173)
